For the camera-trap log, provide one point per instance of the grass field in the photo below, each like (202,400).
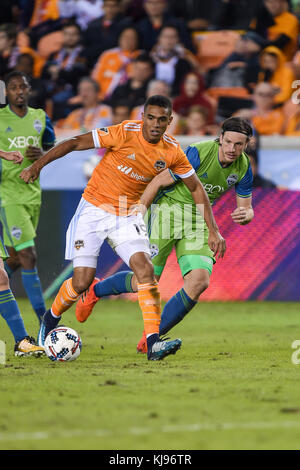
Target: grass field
(231,386)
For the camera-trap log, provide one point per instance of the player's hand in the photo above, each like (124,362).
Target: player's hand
(15,156)
(30,174)
(217,244)
(136,208)
(240,216)
(33,153)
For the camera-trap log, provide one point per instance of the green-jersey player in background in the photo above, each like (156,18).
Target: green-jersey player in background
(9,310)
(220,164)
(28,131)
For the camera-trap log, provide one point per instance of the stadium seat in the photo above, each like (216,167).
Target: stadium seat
(214,46)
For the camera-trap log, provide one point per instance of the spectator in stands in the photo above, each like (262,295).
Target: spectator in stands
(121,112)
(158,87)
(113,66)
(102,33)
(293,123)
(82,11)
(252,151)
(241,67)
(134,90)
(276,71)
(234,14)
(68,65)
(192,92)
(38,93)
(157,17)
(91,114)
(196,14)
(196,122)
(265,119)
(172,60)
(9,50)
(40,17)
(284,31)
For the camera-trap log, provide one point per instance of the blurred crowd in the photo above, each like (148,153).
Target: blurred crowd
(93,63)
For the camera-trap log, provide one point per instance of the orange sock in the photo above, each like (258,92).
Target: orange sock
(149,300)
(65,298)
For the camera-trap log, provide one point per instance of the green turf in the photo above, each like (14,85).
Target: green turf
(232,385)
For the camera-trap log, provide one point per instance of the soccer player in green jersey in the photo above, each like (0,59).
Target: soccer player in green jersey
(9,310)
(219,164)
(28,131)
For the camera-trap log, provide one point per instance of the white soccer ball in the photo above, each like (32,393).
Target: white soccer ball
(63,344)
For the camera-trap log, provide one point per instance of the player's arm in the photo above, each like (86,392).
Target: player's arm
(215,240)
(244,213)
(15,156)
(79,142)
(162,180)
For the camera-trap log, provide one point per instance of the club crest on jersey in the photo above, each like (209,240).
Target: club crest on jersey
(232,179)
(16,232)
(160,165)
(38,125)
(79,244)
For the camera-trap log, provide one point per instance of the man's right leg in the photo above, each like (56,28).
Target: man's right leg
(68,294)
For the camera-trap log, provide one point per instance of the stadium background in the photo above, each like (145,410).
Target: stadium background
(263,259)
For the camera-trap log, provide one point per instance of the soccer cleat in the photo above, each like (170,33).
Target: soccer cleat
(86,303)
(48,323)
(161,349)
(142,345)
(28,347)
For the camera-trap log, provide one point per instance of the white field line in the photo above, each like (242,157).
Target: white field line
(197,427)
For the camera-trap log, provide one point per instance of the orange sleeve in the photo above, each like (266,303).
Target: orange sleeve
(109,137)
(181,166)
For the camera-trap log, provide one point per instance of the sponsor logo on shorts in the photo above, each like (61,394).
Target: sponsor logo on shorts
(232,179)
(160,165)
(154,250)
(38,125)
(16,232)
(79,244)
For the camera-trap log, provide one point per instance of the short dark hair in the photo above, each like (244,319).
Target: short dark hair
(237,124)
(159,100)
(144,57)
(15,74)
(91,81)
(10,29)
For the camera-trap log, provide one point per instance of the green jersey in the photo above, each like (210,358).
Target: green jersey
(17,133)
(204,156)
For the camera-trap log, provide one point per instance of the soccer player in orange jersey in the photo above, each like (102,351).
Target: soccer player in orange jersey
(136,152)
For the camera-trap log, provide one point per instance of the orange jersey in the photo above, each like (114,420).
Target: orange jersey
(87,119)
(129,164)
(286,23)
(112,69)
(269,124)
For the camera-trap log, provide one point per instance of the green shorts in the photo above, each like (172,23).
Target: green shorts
(170,225)
(20,224)
(3,253)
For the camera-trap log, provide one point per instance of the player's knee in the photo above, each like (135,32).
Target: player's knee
(142,267)
(81,285)
(28,258)
(4,281)
(198,283)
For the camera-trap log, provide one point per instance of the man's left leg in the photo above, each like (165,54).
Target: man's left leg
(20,223)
